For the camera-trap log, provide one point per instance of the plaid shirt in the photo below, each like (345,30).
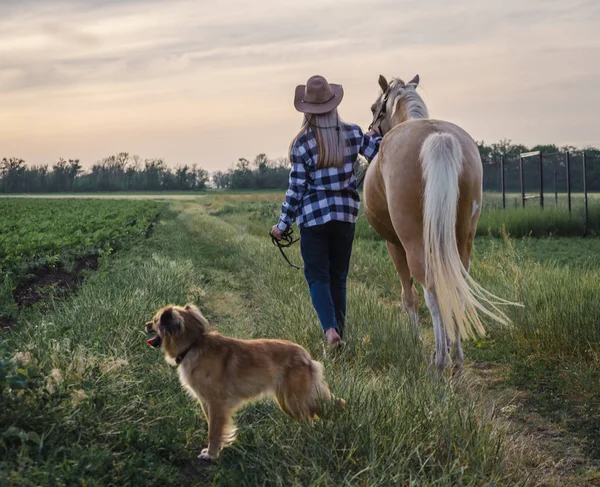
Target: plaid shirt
(316,196)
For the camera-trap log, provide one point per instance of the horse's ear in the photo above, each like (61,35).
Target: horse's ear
(383,84)
(414,82)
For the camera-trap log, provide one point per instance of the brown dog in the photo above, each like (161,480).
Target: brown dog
(223,373)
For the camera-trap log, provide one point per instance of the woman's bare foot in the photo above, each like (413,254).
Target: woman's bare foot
(333,338)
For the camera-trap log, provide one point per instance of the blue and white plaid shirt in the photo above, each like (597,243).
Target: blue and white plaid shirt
(316,196)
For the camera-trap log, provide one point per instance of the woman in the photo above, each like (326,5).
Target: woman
(322,197)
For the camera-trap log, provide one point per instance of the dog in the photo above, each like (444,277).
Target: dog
(223,373)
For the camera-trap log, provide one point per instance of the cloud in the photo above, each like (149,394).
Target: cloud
(171,75)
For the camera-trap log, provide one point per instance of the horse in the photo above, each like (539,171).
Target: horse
(423,195)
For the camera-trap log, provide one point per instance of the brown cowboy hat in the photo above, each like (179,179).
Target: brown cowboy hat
(318,96)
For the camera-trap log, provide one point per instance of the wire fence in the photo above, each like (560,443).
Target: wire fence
(543,179)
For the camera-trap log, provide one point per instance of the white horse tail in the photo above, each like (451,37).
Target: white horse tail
(459,296)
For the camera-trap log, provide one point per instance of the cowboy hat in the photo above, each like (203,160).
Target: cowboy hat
(318,96)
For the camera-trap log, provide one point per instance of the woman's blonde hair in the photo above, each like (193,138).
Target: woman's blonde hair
(330,136)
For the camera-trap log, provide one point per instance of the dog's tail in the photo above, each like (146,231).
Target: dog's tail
(320,391)
(320,394)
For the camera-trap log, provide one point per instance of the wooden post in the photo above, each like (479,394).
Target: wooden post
(502,182)
(568,160)
(585,196)
(555,188)
(541,171)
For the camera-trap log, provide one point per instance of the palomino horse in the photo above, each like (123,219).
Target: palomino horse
(422,194)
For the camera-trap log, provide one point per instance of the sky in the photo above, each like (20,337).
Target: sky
(208,82)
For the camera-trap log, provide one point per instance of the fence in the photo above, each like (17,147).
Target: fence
(533,174)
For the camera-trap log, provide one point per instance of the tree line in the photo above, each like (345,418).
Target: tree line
(120,172)
(126,172)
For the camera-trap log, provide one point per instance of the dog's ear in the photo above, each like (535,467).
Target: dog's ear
(195,313)
(170,321)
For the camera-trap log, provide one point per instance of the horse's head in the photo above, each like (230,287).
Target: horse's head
(398,102)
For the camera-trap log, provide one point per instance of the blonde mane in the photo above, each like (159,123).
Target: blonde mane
(406,99)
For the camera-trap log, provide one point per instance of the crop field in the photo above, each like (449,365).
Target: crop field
(85,401)
(41,238)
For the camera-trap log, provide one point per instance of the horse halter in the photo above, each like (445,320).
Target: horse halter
(378,118)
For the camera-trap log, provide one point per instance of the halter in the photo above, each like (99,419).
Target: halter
(378,118)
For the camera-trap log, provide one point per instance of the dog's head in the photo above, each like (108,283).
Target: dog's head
(174,328)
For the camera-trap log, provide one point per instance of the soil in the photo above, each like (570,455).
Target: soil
(42,280)
(555,456)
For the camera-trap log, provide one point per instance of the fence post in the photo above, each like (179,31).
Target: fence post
(541,171)
(568,156)
(522,182)
(555,188)
(585,195)
(502,182)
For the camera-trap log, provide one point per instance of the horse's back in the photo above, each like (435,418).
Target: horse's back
(395,185)
(401,147)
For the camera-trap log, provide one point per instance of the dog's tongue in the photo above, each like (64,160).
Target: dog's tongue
(154,341)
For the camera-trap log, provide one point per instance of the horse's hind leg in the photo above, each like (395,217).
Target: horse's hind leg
(410,297)
(442,358)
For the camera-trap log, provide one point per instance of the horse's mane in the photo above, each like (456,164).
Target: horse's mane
(415,106)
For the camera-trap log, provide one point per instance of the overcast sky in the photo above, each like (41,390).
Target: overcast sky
(208,82)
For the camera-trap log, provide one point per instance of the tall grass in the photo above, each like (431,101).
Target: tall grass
(85,401)
(536,222)
(107,410)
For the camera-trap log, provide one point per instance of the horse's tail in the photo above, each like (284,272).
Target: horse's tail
(459,296)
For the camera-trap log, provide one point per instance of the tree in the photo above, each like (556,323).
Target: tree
(546,149)
(64,174)
(261,162)
(12,171)
(485,151)
(221,180)
(201,178)
(243,164)
(507,149)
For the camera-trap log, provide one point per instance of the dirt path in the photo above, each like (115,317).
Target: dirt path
(551,455)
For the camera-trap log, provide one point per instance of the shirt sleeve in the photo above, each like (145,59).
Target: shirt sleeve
(369,146)
(297,187)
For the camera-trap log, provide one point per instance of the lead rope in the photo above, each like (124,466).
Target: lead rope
(287,240)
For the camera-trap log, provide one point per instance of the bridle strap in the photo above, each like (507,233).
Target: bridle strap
(377,119)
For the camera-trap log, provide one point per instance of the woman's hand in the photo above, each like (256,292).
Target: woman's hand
(372,132)
(275,232)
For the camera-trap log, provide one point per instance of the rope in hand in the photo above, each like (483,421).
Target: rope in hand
(287,240)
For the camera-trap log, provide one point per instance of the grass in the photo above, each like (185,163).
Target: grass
(38,237)
(86,402)
(553,349)
(553,220)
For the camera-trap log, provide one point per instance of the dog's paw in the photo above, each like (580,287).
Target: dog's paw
(205,458)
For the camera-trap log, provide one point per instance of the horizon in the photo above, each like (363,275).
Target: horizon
(190,83)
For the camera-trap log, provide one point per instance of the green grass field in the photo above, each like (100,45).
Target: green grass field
(86,402)
(39,237)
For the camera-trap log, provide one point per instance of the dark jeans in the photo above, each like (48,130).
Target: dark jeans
(326,253)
